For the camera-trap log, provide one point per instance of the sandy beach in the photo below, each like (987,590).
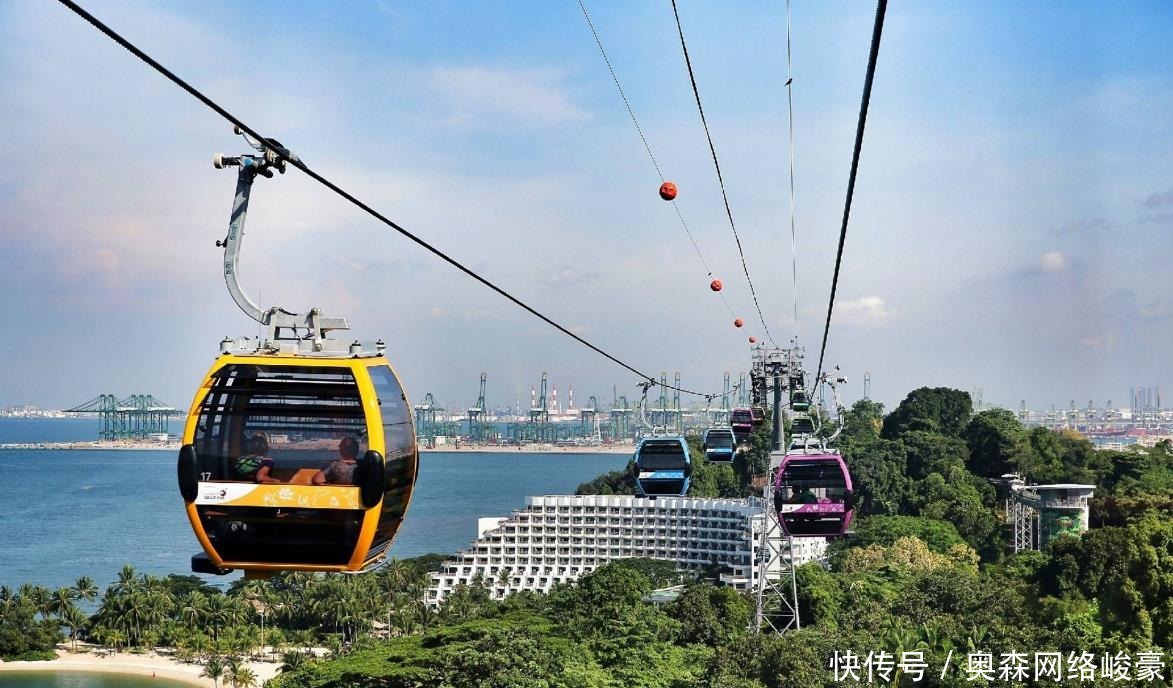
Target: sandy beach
(140,665)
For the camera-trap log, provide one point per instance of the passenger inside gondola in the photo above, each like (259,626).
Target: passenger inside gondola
(804,495)
(813,496)
(341,470)
(256,465)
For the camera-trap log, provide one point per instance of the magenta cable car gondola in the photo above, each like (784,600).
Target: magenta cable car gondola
(741,421)
(813,495)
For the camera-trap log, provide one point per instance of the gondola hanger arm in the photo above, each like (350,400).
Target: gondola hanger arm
(270,156)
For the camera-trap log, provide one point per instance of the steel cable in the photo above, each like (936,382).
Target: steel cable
(295,162)
(647,147)
(877,30)
(720,178)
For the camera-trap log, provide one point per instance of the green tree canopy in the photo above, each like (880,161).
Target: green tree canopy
(996,440)
(939,535)
(936,409)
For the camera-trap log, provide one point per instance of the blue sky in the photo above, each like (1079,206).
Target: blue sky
(1010,228)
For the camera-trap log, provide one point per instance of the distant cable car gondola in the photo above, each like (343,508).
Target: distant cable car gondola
(738,322)
(716,285)
(720,444)
(801,424)
(813,495)
(299,451)
(758,414)
(663,466)
(741,422)
(668,191)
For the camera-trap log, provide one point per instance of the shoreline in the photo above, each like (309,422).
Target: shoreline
(616,449)
(151,665)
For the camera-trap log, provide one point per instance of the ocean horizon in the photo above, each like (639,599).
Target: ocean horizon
(73,513)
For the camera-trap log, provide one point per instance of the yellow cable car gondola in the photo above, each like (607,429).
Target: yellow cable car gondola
(299,452)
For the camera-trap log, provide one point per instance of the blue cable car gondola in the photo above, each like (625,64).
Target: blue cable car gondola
(813,495)
(720,445)
(663,466)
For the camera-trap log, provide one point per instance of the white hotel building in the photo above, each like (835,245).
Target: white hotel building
(557,538)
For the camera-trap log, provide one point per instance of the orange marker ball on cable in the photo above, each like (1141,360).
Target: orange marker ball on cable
(738,322)
(715,285)
(753,340)
(668,191)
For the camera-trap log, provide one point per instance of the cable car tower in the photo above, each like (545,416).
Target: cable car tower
(781,371)
(777,589)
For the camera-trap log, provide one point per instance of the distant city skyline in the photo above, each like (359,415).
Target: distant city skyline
(458,406)
(1009,231)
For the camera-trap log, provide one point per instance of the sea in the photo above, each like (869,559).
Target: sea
(71,513)
(82,679)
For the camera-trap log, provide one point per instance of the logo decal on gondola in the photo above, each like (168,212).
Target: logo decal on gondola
(293,496)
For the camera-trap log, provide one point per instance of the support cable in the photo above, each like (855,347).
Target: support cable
(790,118)
(647,147)
(293,160)
(720,178)
(877,30)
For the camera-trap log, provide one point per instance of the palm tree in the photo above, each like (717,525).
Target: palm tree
(221,611)
(243,677)
(302,637)
(61,600)
(259,597)
(202,644)
(395,576)
(213,669)
(134,614)
(231,666)
(85,589)
(127,580)
(115,638)
(157,608)
(406,620)
(37,595)
(75,619)
(194,609)
(292,661)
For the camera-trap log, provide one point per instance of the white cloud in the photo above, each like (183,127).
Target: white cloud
(866,311)
(530,94)
(1101,342)
(1053,261)
(566,275)
(1156,310)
